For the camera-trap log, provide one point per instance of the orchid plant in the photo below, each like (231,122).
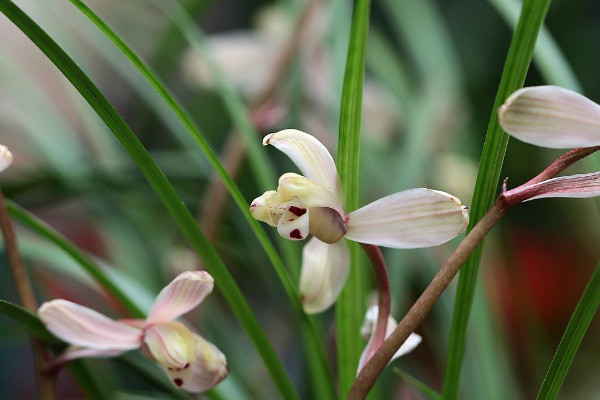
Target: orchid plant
(191,362)
(312,205)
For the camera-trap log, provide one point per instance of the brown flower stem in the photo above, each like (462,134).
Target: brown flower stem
(46,381)
(417,313)
(260,107)
(562,163)
(383,293)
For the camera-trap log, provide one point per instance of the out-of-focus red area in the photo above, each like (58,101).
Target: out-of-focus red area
(542,282)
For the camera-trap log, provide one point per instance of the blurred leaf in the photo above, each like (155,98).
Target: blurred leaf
(350,305)
(30,322)
(162,187)
(494,148)
(110,284)
(417,384)
(569,344)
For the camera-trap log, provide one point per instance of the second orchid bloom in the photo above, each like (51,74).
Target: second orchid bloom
(191,362)
(311,204)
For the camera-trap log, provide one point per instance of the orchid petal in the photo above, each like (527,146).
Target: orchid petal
(294,222)
(207,371)
(184,293)
(572,186)
(74,352)
(325,268)
(551,116)
(6,158)
(311,157)
(171,344)
(409,219)
(368,329)
(84,327)
(312,194)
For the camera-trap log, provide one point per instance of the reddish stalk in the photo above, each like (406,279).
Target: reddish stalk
(417,313)
(383,294)
(46,381)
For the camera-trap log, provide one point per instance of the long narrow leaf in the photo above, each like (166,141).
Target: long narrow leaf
(79,369)
(314,351)
(494,148)
(576,329)
(350,305)
(30,322)
(33,223)
(162,187)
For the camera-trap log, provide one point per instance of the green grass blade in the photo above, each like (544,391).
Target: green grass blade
(162,187)
(426,390)
(350,305)
(314,351)
(576,329)
(42,229)
(494,148)
(79,369)
(30,322)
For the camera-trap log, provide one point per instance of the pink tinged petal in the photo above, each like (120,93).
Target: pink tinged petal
(368,328)
(573,186)
(409,219)
(6,158)
(311,157)
(551,116)
(294,222)
(209,369)
(171,344)
(311,193)
(74,352)
(183,294)
(325,268)
(84,327)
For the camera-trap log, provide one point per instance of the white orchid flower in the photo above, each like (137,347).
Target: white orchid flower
(367,331)
(191,362)
(6,158)
(312,204)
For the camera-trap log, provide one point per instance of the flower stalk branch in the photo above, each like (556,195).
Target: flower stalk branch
(45,379)
(383,294)
(540,186)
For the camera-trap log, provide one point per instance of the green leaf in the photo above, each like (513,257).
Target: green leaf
(30,322)
(350,305)
(314,352)
(162,187)
(576,330)
(42,229)
(79,369)
(426,390)
(494,148)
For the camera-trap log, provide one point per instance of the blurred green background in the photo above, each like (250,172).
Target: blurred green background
(432,72)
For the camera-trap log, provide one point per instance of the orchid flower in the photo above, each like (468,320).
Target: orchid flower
(554,117)
(191,362)
(312,204)
(367,331)
(6,158)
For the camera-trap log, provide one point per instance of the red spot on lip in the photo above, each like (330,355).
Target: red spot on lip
(178,382)
(297,211)
(295,234)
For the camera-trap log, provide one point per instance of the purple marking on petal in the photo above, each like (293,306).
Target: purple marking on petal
(186,366)
(297,211)
(178,382)
(295,234)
